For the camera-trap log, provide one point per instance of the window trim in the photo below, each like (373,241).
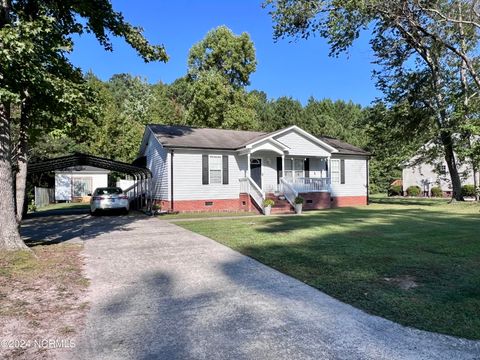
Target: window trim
(339,171)
(210,169)
(293,168)
(86,179)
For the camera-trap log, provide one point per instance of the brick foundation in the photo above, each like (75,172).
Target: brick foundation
(342,201)
(313,201)
(243,203)
(316,201)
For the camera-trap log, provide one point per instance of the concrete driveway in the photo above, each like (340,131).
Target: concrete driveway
(161,292)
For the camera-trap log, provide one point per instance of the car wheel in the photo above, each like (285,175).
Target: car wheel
(125,211)
(93,213)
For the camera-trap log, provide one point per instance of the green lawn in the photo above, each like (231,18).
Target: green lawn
(413,261)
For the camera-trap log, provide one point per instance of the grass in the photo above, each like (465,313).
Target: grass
(414,261)
(64,206)
(42,296)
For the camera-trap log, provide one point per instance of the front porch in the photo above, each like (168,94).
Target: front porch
(280,178)
(288,164)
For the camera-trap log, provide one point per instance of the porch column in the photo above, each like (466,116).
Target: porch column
(329,169)
(283,165)
(248,165)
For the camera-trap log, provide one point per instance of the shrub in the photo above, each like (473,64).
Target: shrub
(32,207)
(437,191)
(299,200)
(268,202)
(395,190)
(468,190)
(413,190)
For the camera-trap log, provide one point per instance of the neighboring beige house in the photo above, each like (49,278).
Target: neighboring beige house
(197,169)
(76,183)
(427,175)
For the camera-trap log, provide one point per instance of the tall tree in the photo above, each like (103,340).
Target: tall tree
(232,56)
(35,72)
(219,68)
(414,42)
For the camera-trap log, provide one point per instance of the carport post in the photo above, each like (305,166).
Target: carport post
(139,200)
(134,190)
(149,192)
(141,193)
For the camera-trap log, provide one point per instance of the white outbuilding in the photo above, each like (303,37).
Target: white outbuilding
(76,183)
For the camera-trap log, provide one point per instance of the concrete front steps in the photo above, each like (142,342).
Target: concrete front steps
(280,206)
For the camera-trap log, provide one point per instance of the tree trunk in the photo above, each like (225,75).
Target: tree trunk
(21,175)
(447,142)
(9,236)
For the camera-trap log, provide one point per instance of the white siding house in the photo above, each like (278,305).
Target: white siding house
(354,173)
(78,182)
(226,170)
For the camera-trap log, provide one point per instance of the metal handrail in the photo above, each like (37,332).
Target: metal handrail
(257,194)
(289,191)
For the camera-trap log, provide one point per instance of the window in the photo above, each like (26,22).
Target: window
(335,171)
(288,169)
(299,168)
(215,169)
(294,168)
(108,191)
(208,203)
(443,169)
(81,186)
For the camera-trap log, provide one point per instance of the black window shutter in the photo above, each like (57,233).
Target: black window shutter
(225,169)
(279,169)
(205,169)
(342,171)
(307,167)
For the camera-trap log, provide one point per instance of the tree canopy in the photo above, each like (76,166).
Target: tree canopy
(221,51)
(41,85)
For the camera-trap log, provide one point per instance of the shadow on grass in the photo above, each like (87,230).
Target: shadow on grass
(397,200)
(365,256)
(247,312)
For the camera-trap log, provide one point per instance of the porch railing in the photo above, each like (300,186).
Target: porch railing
(305,185)
(288,191)
(248,186)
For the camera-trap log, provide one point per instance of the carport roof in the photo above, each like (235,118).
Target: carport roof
(79,159)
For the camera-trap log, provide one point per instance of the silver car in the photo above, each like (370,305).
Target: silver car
(109,198)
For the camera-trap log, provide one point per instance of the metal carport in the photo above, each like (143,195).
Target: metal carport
(139,193)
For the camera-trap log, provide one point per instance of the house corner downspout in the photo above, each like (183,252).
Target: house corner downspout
(368,181)
(171,181)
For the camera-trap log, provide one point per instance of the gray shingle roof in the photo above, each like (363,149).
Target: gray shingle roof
(343,147)
(204,138)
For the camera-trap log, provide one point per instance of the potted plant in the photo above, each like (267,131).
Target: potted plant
(299,204)
(156,209)
(267,206)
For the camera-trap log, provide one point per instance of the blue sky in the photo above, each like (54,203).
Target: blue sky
(299,69)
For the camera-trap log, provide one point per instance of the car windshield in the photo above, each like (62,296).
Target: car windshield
(108,191)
